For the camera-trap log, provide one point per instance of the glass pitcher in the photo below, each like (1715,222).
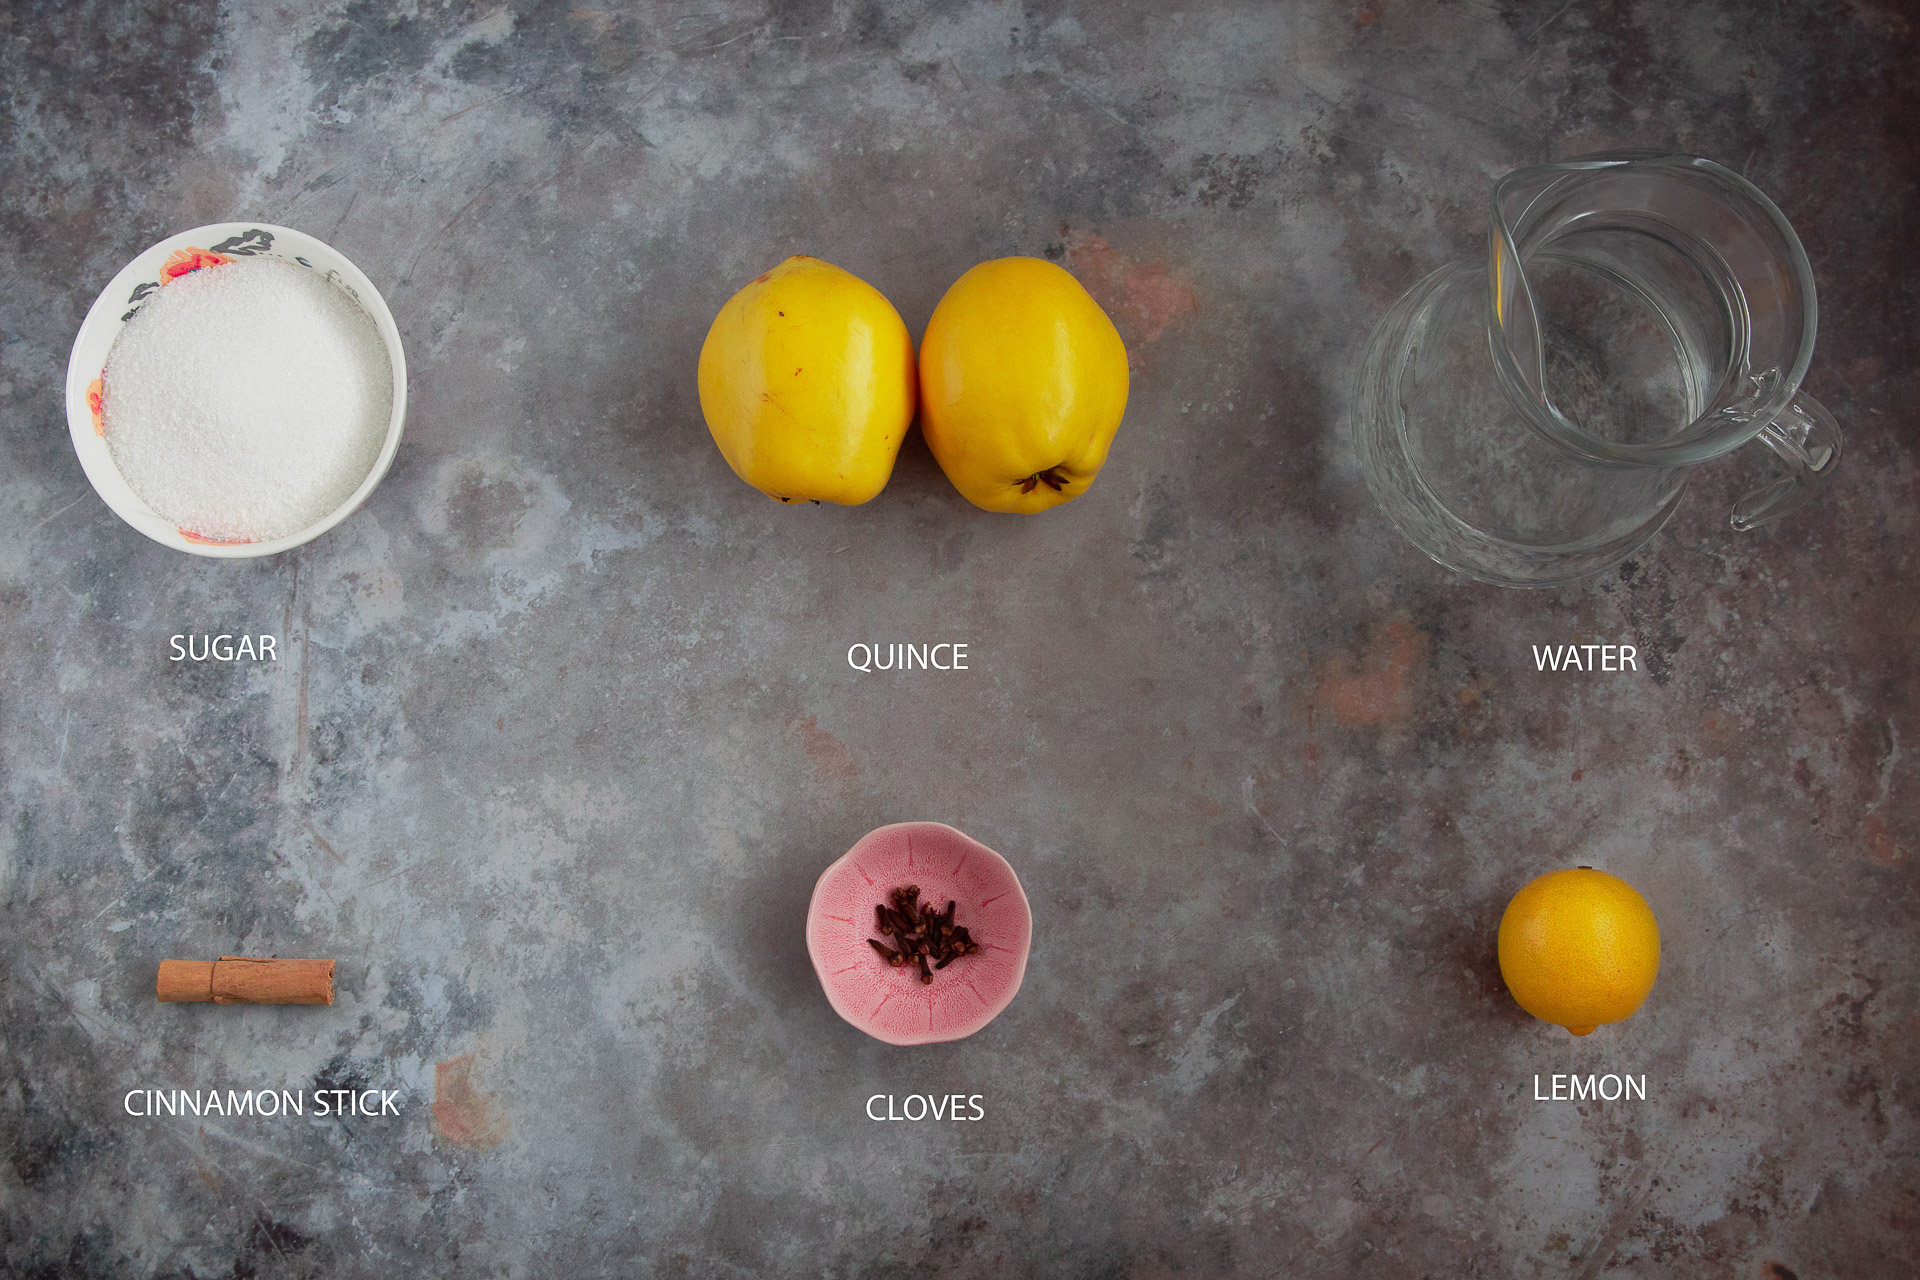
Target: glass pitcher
(1534,420)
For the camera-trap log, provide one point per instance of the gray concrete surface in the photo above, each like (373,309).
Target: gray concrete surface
(563,730)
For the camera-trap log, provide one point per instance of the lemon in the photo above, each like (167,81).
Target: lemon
(1579,948)
(807,383)
(1023,381)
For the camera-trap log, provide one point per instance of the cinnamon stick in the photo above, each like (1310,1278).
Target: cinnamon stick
(182,980)
(246,980)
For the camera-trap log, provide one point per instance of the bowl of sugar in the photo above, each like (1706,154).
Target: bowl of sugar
(237,390)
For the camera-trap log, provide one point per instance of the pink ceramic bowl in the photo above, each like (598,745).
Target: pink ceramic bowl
(893,1004)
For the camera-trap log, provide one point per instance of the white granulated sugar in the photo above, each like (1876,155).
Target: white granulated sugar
(248,400)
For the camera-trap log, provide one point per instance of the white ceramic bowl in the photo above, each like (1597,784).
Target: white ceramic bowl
(170,259)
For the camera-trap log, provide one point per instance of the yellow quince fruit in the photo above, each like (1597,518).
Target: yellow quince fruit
(1023,381)
(807,383)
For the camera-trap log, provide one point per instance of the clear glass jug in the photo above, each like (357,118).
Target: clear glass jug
(1534,420)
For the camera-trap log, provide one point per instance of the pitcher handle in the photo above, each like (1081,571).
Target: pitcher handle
(1806,435)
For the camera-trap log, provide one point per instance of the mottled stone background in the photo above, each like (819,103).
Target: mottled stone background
(563,732)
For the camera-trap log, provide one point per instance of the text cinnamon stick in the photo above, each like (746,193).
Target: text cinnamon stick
(246,980)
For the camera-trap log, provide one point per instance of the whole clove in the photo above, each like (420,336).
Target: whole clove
(926,939)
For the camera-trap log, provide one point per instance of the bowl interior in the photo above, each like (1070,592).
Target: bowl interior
(140,279)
